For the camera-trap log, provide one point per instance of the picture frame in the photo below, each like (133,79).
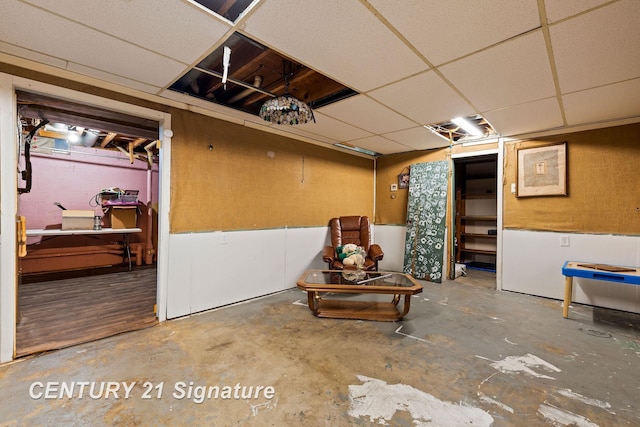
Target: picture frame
(403,180)
(542,171)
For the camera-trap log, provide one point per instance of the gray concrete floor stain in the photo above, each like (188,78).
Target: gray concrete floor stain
(451,346)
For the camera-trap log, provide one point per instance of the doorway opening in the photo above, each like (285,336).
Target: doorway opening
(476,218)
(87,265)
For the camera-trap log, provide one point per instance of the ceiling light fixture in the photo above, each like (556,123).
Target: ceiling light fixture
(463,129)
(467,126)
(286,109)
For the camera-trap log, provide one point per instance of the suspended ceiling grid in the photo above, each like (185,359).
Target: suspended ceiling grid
(526,66)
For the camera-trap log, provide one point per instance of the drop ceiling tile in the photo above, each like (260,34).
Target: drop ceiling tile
(334,129)
(418,138)
(525,118)
(365,113)
(380,145)
(424,98)
(69,41)
(147,23)
(610,102)
(42,58)
(443,30)
(599,47)
(341,38)
(512,73)
(561,9)
(102,75)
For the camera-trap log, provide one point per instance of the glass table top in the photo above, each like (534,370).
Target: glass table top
(357,277)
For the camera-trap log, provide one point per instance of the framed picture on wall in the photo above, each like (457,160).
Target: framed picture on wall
(542,171)
(403,180)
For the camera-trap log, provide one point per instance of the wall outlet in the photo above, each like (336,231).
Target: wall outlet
(223,238)
(513,188)
(564,241)
(394,187)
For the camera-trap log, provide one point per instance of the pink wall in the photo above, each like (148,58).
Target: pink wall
(74,179)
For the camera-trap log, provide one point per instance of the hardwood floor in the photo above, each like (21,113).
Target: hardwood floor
(60,313)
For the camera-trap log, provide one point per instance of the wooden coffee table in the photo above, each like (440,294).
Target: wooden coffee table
(320,284)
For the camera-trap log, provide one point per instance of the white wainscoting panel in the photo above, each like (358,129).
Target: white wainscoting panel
(532,264)
(304,251)
(209,270)
(391,240)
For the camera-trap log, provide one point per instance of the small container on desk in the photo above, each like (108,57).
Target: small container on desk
(122,214)
(77,219)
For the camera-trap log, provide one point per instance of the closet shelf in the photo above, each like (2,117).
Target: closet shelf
(478,251)
(479,217)
(479,196)
(479,235)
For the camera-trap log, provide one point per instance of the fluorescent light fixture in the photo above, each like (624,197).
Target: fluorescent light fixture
(467,126)
(356,149)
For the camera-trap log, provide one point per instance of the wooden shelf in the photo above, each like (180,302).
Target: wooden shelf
(478,235)
(478,251)
(479,196)
(479,217)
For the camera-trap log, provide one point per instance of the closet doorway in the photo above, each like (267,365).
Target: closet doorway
(475,251)
(82,278)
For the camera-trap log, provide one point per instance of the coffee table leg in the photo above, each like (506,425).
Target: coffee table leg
(312,300)
(396,299)
(407,305)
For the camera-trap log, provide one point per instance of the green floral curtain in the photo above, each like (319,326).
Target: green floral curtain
(426,217)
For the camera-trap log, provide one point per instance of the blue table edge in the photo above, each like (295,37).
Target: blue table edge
(609,276)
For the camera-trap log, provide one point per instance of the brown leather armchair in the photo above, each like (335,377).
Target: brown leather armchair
(356,230)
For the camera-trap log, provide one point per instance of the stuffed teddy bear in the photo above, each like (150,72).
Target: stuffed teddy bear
(351,254)
(354,259)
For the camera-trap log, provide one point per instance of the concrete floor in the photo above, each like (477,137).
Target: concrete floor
(465,355)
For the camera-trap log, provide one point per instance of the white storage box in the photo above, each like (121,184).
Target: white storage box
(77,220)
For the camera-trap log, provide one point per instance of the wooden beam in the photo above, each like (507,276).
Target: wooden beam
(279,86)
(225,7)
(138,142)
(107,139)
(131,152)
(51,134)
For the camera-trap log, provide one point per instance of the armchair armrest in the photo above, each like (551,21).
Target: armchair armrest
(328,254)
(375,252)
